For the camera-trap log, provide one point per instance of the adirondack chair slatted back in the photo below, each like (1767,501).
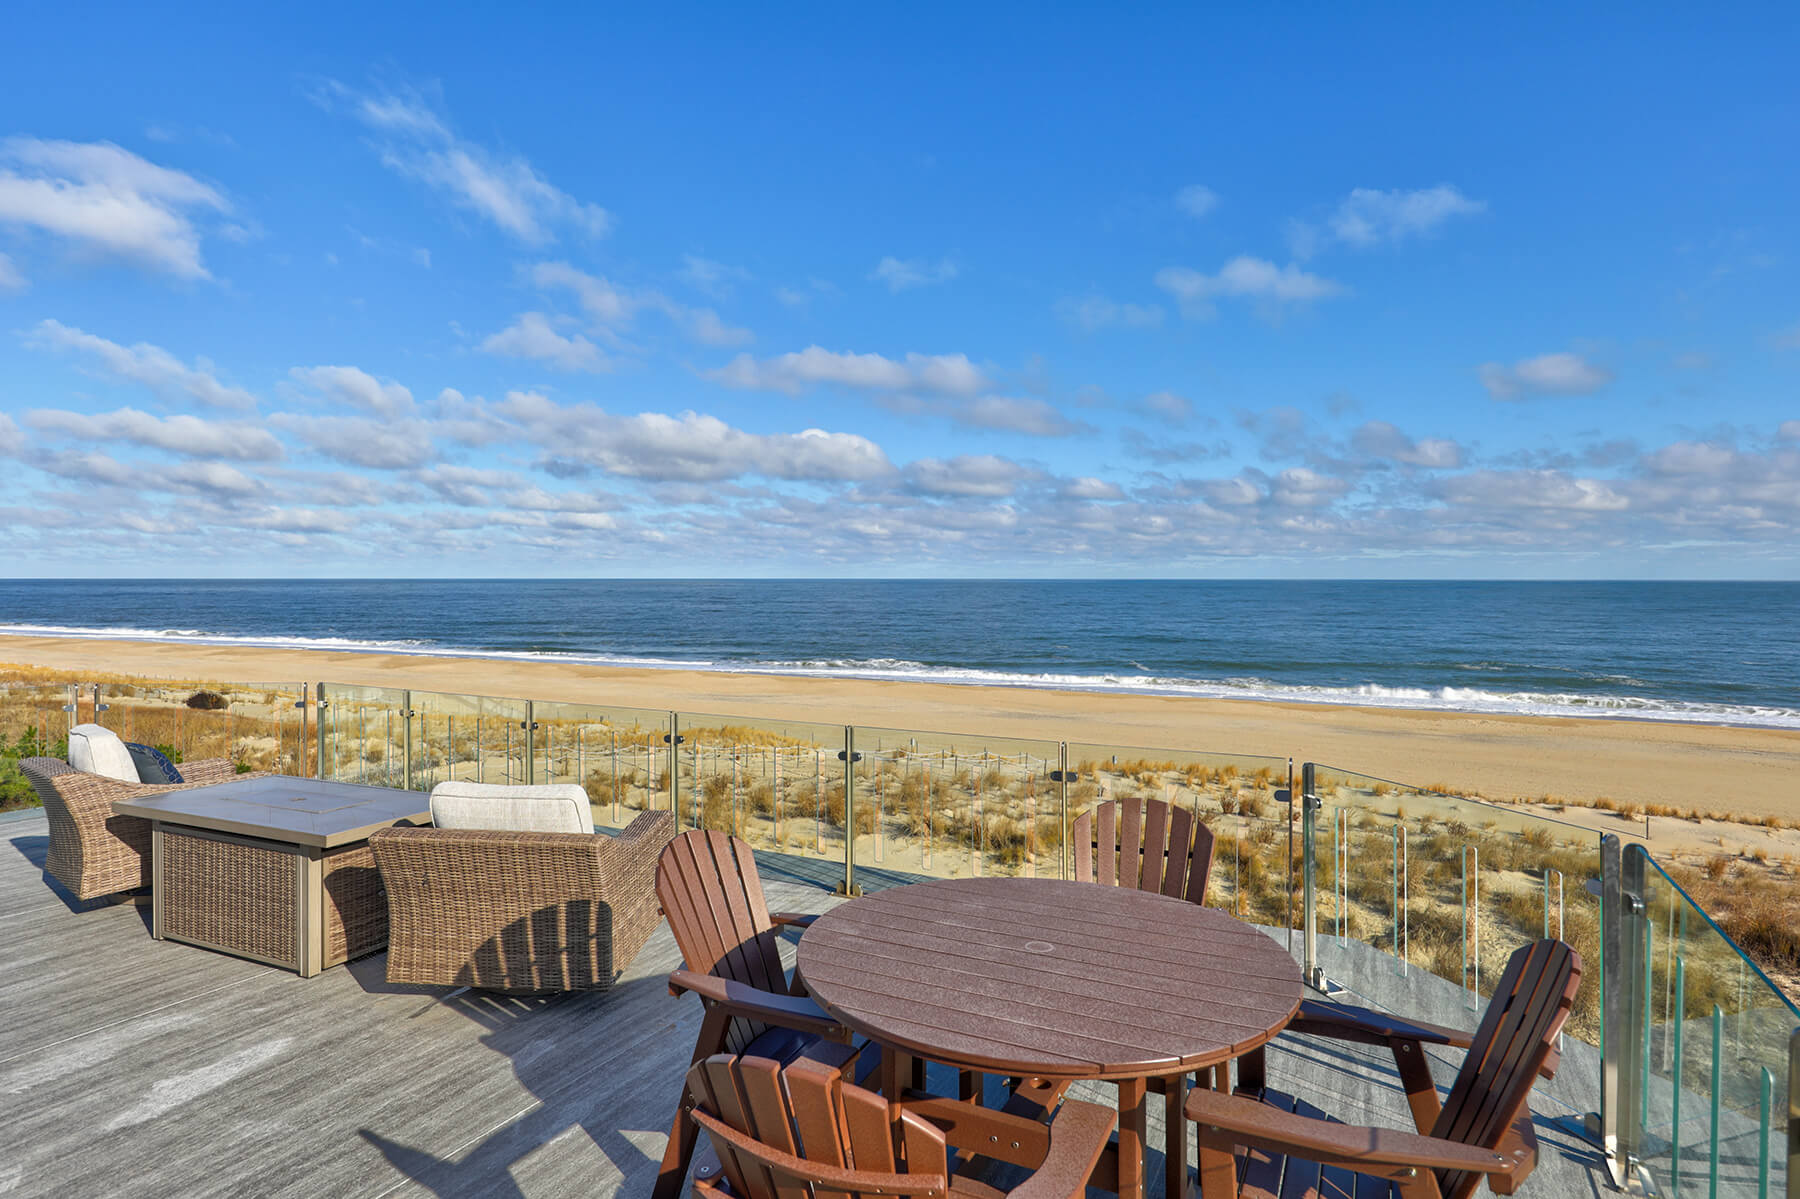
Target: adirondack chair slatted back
(1516,1037)
(788,1134)
(707,884)
(1144,844)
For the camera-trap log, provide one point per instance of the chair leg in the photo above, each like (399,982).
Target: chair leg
(683,1135)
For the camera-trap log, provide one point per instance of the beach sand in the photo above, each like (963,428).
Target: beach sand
(1750,772)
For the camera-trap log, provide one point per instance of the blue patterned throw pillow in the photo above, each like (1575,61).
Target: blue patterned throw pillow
(152,767)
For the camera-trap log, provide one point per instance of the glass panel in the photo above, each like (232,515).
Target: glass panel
(620,755)
(33,723)
(363,735)
(1255,871)
(474,738)
(35,718)
(955,805)
(779,784)
(255,725)
(1712,1102)
(1422,897)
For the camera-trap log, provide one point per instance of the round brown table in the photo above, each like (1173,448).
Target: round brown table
(1059,980)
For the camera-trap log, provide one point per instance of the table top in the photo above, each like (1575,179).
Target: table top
(297,811)
(1050,979)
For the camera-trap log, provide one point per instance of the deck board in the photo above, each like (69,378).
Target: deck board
(161,1070)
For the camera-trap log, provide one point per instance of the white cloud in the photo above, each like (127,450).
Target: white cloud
(689,446)
(143,363)
(107,201)
(356,387)
(1244,278)
(902,273)
(212,478)
(1171,407)
(1097,312)
(1789,431)
(183,434)
(1379,439)
(1547,374)
(1529,489)
(970,475)
(713,278)
(10,277)
(600,299)
(706,328)
(12,438)
(1196,200)
(1369,216)
(1015,415)
(506,190)
(531,336)
(1089,488)
(794,372)
(388,444)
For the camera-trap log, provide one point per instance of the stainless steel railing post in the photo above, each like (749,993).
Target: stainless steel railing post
(1309,805)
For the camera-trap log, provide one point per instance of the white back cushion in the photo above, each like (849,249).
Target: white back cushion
(552,808)
(98,750)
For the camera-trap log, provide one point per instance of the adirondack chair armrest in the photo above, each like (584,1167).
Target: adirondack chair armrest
(1227,1120)
(789,1011)
(1078,1136)
(1346,1023)
(793,919)
(1063,1150)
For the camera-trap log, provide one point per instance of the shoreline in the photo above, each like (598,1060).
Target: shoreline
(1375,697)
(1503,756)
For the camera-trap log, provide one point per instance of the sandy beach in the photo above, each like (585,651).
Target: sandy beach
(1751,772)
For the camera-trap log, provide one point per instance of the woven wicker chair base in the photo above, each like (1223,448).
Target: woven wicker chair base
(524,913)
(93,852)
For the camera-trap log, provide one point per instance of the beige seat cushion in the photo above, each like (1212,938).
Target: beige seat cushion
(551,808)
(98,750)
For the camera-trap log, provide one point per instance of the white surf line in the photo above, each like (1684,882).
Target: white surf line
(170,1093)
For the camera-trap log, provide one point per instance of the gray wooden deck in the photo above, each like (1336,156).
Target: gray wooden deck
(131,1066)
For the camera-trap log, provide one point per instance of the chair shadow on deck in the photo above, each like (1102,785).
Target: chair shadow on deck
(571,1051)
(35,849)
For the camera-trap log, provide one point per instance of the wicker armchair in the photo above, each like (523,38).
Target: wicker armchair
(519,912)
(92,851)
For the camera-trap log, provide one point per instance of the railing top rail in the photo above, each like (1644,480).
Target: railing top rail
(1468,799)
(1713,925)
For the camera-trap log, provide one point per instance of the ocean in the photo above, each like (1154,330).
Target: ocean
(1725,653)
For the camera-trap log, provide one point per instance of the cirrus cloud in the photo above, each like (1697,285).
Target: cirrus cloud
(107,201)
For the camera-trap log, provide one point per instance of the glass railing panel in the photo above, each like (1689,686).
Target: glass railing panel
(35,718)
(957,805)
(470,738)
(1422,897)
(779,784)
(1711,1097)
(257,726)
(362,735)
(619,755)
(1255,869)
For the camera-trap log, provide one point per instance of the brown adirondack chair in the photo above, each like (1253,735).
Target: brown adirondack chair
(1147,845)
(819,1135)
(710,892)
(1258,1144)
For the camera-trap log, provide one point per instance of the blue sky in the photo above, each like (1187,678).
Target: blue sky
(1029,291)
